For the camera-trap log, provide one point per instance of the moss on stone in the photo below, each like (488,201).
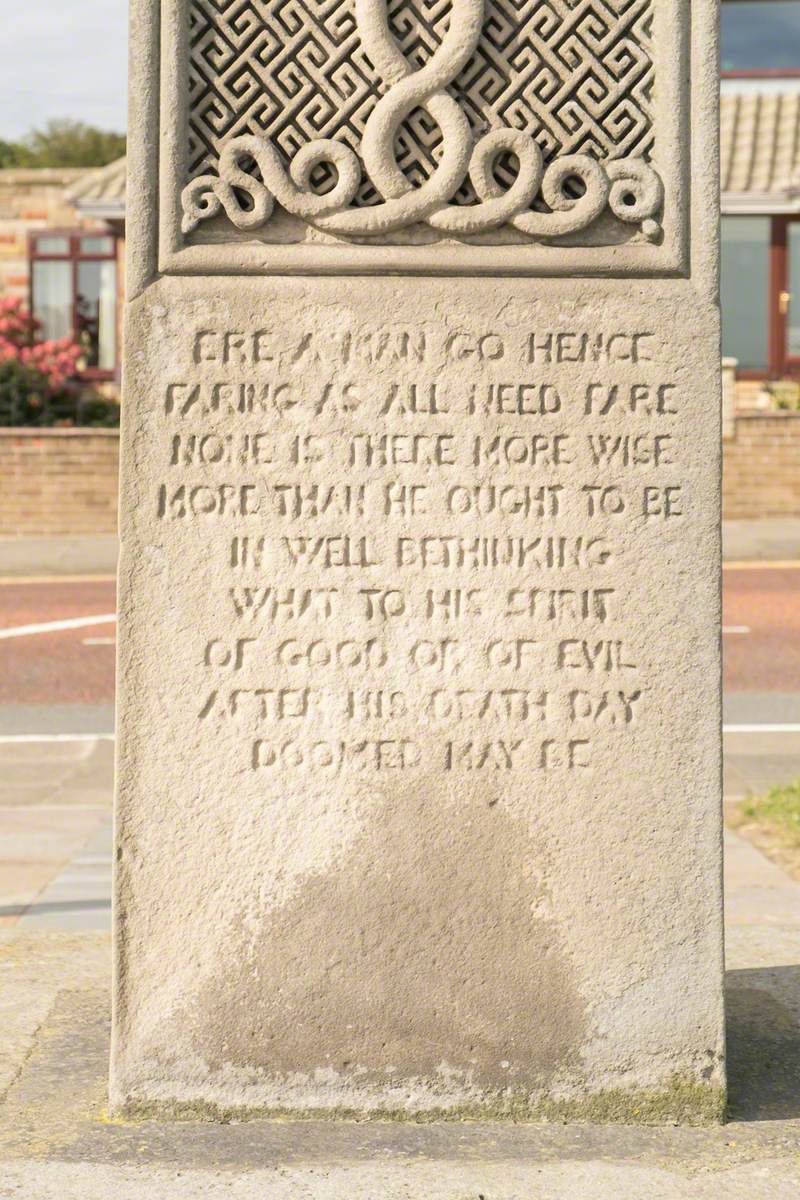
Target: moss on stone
(685,1101)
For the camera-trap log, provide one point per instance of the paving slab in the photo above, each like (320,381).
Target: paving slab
(76,554)
(771,539)
(757,892)
(32,971)
(53,772)
(36,846)
(79,897)
(47,720)
(592,1180)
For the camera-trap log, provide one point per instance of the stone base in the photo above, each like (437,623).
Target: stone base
(683,1102)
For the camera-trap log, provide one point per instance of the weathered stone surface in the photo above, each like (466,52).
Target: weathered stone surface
(419,752)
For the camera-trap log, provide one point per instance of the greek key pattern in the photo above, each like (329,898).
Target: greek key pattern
(363,117)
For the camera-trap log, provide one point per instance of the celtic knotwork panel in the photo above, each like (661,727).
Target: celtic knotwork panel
(576,75)
(366,117)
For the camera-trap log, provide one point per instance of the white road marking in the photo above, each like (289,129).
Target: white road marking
(761,728)
(99,641)
(57,626)
(20,739)
(735,628)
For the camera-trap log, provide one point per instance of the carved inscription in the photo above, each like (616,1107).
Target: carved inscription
(423,574)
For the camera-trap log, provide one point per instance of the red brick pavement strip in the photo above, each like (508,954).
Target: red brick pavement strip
(766,601)
(23,602)
(57,667)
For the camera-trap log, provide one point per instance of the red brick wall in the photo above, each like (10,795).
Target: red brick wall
(58,481)
(761,472)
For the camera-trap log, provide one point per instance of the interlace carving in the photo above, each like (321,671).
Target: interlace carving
(576,187)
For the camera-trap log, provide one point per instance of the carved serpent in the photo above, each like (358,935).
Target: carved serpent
(629,187)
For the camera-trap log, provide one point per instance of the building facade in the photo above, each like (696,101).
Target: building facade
(62,254)
(760,61)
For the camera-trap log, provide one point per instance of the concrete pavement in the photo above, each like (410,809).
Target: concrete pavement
(771,539)
(55,833)
(78,554)
(79,896)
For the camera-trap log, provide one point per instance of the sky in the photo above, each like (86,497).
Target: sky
(63,58)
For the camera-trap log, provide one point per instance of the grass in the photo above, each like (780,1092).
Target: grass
(777,813)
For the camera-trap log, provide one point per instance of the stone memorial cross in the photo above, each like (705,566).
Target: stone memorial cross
(419,746)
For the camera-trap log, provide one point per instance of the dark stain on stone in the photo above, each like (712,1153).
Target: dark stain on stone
(418,947)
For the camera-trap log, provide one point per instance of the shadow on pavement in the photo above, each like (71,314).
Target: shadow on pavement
(763,1024)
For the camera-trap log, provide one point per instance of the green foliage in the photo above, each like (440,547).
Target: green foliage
(785,393)
(26,398)
(12,154)
(23,394)
(778,811)
(64,143)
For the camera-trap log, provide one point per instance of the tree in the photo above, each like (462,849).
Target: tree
(13,154)
(64,143)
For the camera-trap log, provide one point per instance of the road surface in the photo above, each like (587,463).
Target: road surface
(761,645)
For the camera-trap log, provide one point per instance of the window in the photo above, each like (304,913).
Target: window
(745,290)
(761,36)
(74,293)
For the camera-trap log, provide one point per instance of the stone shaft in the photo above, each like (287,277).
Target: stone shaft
(419,730)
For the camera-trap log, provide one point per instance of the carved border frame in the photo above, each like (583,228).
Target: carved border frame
(672,105)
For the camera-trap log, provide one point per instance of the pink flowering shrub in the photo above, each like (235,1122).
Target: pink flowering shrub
(56,360)
(38,379)
(17,326)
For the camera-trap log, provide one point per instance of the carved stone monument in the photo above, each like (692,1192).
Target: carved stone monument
(419,744)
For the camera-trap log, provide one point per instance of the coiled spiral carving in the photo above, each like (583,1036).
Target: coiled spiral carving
(630,188)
